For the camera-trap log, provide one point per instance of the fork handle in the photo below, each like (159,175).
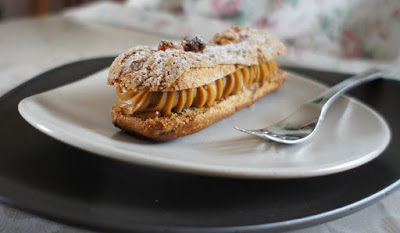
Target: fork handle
(332,93)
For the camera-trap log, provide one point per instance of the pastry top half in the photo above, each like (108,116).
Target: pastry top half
(174,67)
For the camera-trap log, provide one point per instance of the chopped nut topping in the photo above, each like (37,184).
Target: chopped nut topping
(230,35)
(164,45)
(194,45)
(237,28)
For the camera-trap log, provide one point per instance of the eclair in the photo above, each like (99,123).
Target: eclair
(181,88)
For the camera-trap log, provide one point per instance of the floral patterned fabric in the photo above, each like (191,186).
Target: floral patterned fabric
(340,35)
(350,28)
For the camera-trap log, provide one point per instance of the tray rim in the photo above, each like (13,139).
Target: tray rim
(282,225)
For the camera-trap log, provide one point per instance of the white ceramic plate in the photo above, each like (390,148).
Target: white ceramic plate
(351,135)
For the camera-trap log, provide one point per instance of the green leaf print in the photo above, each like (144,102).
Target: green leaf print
(292,3)
(326,25)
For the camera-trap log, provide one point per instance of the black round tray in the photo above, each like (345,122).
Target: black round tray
(43,176)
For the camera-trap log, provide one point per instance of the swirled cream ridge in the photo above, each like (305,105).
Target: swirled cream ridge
(153,104)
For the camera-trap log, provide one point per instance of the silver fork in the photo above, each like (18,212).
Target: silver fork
(301,124)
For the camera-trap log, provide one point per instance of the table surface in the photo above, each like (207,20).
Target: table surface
(33,45)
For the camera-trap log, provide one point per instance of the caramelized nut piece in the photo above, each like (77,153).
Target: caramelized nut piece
(194,45)
(230,35)
(164,45)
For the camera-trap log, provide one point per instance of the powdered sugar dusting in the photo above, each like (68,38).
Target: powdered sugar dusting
(152,70)
(135,58)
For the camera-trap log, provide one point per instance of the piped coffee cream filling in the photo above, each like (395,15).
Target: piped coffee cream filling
(153,104)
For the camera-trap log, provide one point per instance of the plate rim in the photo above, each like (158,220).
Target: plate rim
(133,157)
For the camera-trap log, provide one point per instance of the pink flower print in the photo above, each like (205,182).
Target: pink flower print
(350,44)
(379,28)
(384,33)
(276,3)
(372,28)
(377,23)
(322,2)
(396,14)
(225,7)
(263,22)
